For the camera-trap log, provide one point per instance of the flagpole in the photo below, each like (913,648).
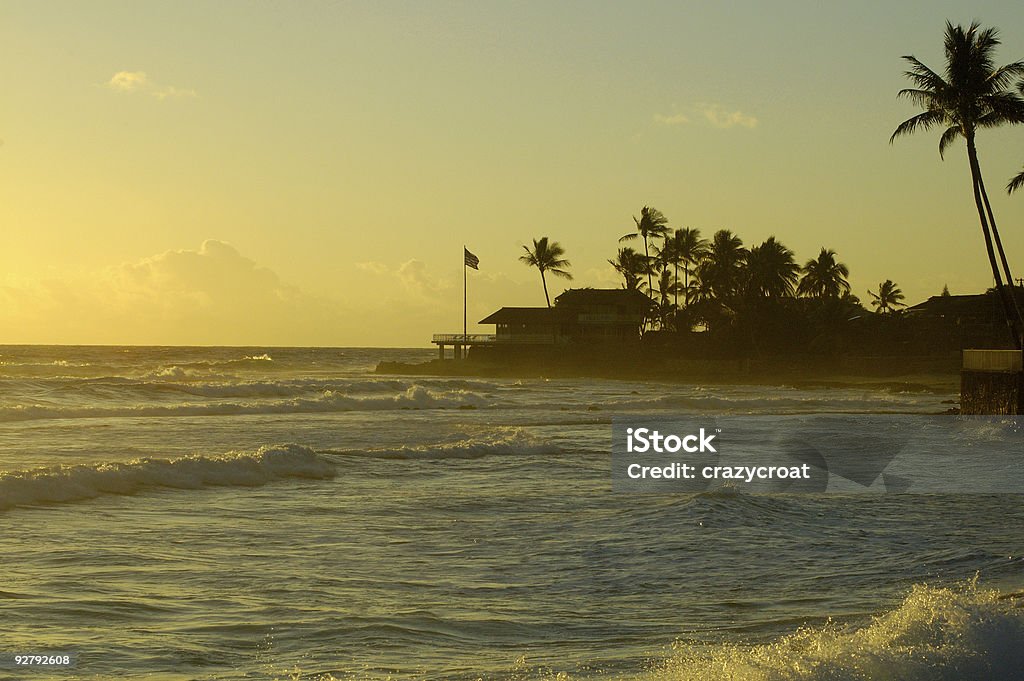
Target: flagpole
(465,279)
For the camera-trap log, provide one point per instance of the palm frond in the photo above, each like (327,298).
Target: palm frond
(922,121)
(948,137)
(1016,183)
(923,76)
(985,43)
(529,258)
(1004,76)
(926,99)
(1002,108)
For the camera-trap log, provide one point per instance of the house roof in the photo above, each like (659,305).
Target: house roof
(603,296)
(525,315)
(981,305)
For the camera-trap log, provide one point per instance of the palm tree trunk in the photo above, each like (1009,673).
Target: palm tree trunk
(545,283)
(972,156)
(995,230)
(992,223)
(647,263)
(675,289)
(1002,253)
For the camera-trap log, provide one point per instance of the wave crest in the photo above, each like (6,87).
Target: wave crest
(512,442)
(57,484)
(415,397)
(936,634)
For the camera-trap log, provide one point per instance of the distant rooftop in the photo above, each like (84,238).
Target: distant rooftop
(603,296)
(978,305)
(525,315)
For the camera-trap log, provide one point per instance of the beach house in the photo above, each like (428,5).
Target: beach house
(582,316)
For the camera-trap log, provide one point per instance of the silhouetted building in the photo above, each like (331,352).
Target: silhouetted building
(528,325)
(971,321)
(587,316)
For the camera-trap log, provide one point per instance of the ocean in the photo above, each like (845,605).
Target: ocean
(285,513)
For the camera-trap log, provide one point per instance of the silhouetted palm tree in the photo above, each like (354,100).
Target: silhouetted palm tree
(666,288)
(771,270)
(650,225)
(823,277)
(721,270)
(973,94)
(631,265)
(888,297)
(546,257)
(684,247)
(831,320)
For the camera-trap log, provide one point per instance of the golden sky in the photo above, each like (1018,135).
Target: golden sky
(307,173)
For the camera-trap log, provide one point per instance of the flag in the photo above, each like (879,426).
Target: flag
(471,260)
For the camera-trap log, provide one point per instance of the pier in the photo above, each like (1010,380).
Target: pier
(461,342)
(992,382)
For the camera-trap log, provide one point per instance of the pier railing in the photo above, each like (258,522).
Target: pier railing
(492,339)
(463,338)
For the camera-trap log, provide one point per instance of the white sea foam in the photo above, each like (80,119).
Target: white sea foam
(506,442)
(53,363)
(177,373)
(769,404)
(204,386)
(72,483)
(936,634)
(415,397)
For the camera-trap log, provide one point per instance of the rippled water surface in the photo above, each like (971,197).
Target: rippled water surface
(253,513)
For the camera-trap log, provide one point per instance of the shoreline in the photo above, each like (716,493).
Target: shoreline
(926,375)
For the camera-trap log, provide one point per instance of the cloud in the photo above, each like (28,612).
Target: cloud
(171,92)
(216,275)
(412,277)
(212,294)
(721,118)
(414,299)
(675,119)
(125,81)
(138,81)
(418,280)
(715,115)
(373,267)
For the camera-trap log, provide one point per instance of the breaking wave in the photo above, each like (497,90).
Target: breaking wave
(415,397)
(172,383)
(513,443)
(936,634)
(57,484)
(776,404)
(176,372)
